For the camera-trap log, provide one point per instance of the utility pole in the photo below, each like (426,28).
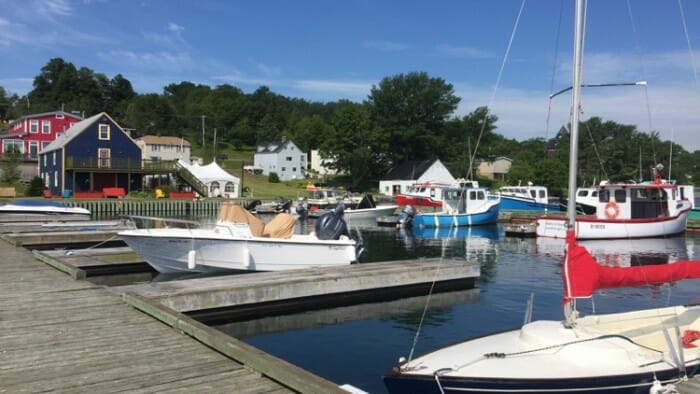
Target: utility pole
(203,117)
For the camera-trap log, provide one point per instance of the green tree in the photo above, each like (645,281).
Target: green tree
(10,165)
(412,109)
(149,114)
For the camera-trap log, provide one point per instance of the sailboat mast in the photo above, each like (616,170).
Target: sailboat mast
(575,104)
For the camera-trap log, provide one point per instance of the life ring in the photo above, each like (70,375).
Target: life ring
(612,210)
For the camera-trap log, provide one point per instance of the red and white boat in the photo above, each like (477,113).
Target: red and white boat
(429,194)
(626,210)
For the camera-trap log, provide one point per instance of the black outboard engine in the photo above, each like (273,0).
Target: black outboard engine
(339,209)
(283,206)
(301,210)
(251,205)
(406,216)
(331,226)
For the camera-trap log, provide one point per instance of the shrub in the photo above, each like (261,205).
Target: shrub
(273,178)
(35,188)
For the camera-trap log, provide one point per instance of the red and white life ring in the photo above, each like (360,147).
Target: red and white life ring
(612,210)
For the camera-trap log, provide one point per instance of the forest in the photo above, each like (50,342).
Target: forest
(407,116)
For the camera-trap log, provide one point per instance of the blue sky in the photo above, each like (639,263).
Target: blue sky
(330,50)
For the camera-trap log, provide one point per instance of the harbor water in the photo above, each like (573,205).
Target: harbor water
(356,344)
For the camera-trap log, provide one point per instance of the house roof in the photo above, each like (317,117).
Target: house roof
(164,140)
(75,131)
(273,147)
(410,169)
(43,114)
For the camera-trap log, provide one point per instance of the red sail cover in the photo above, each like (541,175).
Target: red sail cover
(582,275)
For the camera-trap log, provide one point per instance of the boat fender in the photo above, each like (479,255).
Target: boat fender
(246,258)
(191,263)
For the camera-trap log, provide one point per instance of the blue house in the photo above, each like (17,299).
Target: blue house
(93,154)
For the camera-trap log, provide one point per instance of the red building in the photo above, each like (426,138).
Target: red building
(31,133)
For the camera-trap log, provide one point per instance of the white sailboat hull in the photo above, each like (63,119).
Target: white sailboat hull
(604,353)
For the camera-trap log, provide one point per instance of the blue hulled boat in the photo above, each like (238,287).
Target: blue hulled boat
(526,198)
(462,207)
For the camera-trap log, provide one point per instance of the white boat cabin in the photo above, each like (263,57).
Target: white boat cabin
(463,200)
(537,194)
(637,201)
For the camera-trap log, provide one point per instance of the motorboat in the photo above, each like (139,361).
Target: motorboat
(461,206)
(41,207)
(429,193)
(526,198)
(239,241)
(367,209)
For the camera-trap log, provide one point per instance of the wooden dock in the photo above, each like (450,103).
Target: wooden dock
(62,335)
(268,292)
(82,263)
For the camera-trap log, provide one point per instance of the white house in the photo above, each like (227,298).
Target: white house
(281,157)
(409,172)
(319,164)
(157,147)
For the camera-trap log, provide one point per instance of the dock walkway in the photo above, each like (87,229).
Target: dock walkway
(62,335)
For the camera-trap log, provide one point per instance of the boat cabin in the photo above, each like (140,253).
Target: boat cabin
(637,201)
(537,194)
(463,200)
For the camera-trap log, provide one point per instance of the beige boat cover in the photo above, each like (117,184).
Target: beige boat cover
(235,213)
(281,226)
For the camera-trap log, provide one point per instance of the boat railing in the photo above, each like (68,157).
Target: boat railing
(151,222)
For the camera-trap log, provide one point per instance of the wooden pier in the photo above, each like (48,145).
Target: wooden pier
(62,335)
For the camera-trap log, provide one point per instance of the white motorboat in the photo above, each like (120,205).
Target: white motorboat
(367,209)
(41,207)
(642,351)
(239,241)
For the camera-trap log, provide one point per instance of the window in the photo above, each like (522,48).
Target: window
(288,158)
(33,149)
(54,157)
(59,116)
(45,127)
(104,132)
(9,145)
(103,155)
(604,195)
(301,158)
(34,126)
(620,195)
(55,178)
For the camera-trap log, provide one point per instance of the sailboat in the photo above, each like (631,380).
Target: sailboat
(644,351)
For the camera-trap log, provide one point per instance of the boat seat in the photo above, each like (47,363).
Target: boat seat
(281,226)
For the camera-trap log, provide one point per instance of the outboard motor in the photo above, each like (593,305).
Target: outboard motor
(284,206)
(339,209)
(406,216)
(251,205)
(331,226)
(301,210)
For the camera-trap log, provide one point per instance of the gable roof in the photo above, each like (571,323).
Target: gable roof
(273,147)
(76,130)
(410,169)
(164,140)
(43,114)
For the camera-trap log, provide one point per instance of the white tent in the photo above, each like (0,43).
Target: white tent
(218,181)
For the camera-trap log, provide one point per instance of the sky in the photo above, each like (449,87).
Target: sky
(509,55)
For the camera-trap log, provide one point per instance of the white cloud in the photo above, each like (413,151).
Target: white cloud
(468,52)
(175,28)
(53,7)
(160,60)
(386,45)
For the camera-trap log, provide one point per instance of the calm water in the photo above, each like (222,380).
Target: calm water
(356,344)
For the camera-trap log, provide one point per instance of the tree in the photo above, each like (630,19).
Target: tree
(10,165)
(412,109)
(149,114)
(354,146)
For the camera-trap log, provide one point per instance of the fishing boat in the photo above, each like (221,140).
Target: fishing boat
(461,206)
(239,241)
(642,351)
(40,207)
(423,194)
(625,210)
(526,198)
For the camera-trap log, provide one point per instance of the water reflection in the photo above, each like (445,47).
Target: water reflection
(623,252)
(410,310)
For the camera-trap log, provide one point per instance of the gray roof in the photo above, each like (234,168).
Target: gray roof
(41,115)
(71,133)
